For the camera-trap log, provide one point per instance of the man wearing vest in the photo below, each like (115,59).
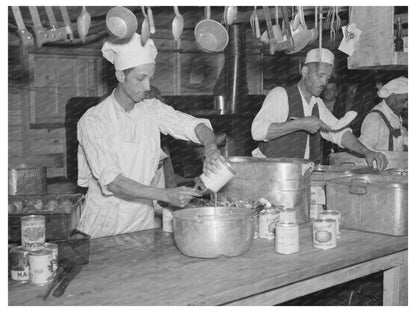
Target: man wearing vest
(292,120)
(382,128)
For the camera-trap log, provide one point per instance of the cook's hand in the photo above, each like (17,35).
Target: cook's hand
(213,159)
(380,159)
(180,196)
(313,124)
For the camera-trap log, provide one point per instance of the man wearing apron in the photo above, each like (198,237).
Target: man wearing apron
(119,147)
(382,128)
(292,120)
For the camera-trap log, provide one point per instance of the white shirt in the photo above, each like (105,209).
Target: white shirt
(112,142)
(375,133)
(275,109)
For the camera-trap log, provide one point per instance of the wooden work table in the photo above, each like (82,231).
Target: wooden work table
(145,268)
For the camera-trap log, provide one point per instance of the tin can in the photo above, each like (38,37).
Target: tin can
(332,214)
(33,232)
(324,233)
(167,220)
(287,238)
(216,180)
(19,264)
(267,219)
(54,248)
(41,267)
(288,215)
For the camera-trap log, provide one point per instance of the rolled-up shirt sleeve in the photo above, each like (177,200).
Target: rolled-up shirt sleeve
(372,131)
(102,159)
(275,109)
(327,117)
(177,124)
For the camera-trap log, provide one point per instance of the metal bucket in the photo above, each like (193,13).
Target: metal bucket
(282,181)
(210,232)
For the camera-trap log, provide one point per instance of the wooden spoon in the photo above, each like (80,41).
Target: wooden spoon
(177,24)
(145,27)
(83,24)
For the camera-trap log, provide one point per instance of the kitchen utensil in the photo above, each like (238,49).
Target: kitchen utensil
(121,22)
(62,267)
(278,34)
(51,17)
(67,278)
(296,21)
(210,232)
(210,35)
(67,22)
(151,21)
(255,24)
(145,32)
(231,15)
(282,181)
(215,181)
(25,36)
(177,24)
(371,202)
(274,44)
(83,24)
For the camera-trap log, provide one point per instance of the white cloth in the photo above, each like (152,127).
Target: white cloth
(396,86)
(275,109)
(131,53)
(114,142)
(375,133)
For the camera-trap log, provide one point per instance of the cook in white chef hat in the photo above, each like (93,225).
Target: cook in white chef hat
(320,56)
(131,53)
(396,86)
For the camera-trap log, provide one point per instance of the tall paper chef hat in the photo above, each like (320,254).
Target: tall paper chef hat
(324,56)
(131,53)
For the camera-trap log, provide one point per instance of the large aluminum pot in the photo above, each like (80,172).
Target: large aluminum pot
(209,232)
(282,181)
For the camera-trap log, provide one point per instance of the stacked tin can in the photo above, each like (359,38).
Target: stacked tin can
(35,260)
(326,229)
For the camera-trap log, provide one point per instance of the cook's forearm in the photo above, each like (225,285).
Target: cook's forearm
(277,130)
(206,136)
(350,142)
(131,190)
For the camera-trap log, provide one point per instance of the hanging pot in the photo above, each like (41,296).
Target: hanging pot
(121,22)
(210,35)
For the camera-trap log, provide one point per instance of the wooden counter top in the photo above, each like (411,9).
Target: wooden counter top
(145,268)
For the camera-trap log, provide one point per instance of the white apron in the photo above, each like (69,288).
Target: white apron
(110,215)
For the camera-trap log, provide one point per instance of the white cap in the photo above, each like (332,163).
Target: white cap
(396,86)
(315,55)
(131,53)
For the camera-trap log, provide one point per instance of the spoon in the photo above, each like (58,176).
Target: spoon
(145,27)
(177,24)
(231,14)
(151,21)
(83,24)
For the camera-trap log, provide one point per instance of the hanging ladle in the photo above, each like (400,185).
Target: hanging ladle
(145,27)
(177,24)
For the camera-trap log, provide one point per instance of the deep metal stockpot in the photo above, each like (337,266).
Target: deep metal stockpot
(282,181)
(210,232)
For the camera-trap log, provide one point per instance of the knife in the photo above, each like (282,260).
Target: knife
(67,279)
(58,275)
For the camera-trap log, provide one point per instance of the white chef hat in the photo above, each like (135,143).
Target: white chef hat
(319,55)
(396,86)
(131,53)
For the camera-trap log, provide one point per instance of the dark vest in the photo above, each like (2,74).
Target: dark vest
(292,145)
(392,132)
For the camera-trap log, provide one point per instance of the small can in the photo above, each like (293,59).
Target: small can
(332,214)
(324,233)
(287,238)
(19,264)
(288,215)
(41,267)
(167,220)
(33,232)
(54,248)
(267,219)
(216,180)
